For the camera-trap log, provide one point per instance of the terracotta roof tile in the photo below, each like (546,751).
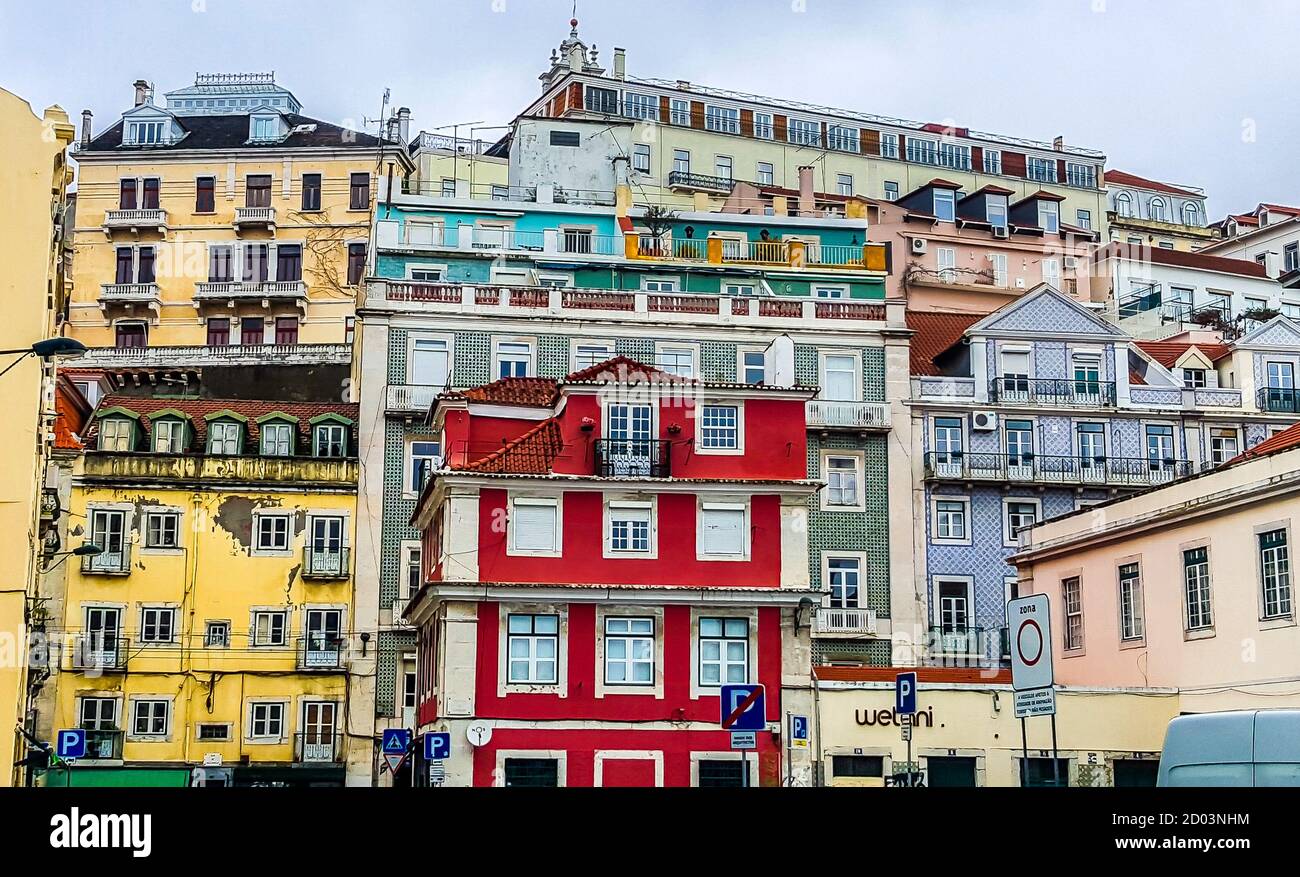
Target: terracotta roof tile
(1169,352)
(1123,178)
(935,333)
(530,454)
(1135,378)
(1285,440)
(621,366)
(967,675)
(537,392)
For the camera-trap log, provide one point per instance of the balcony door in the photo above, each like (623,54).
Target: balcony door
(1160,452)
(323,638)
(948,446)
(954,617)
(107,530)
(325,546)
(1281,387)
(631,439)
(318,730)
(1020,449)
(1092,452)
(103,627)
(1087,379)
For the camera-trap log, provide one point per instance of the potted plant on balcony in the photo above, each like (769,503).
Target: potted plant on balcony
(658,222)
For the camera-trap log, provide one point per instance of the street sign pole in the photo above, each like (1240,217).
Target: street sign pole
(789,750)
(1056,762)
(1024,751)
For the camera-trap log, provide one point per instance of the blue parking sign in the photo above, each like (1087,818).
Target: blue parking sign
(437,746)
(905,693)
(70,744)
(799,731)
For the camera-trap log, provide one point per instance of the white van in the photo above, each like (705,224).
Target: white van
(1240,748)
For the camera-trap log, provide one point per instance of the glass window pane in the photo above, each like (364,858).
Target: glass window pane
(736,627)
(710,627)
(546,623)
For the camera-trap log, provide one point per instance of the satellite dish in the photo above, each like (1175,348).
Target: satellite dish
(479,734)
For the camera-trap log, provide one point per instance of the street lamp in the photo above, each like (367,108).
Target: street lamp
(50,348)
(89,549)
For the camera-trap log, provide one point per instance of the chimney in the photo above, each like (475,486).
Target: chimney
(620,63)
(807,197)
(85,127)
(390,128)
(141,92)
(404,124)
(1059,143)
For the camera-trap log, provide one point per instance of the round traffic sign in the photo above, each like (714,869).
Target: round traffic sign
(1029,642)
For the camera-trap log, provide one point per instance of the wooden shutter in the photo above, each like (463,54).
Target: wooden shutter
(977,159)
(1013,164)
(575,95)
(779,127)
(870,141)
(746,123)
(697,114)
(665,109)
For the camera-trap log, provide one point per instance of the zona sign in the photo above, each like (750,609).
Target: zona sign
(1031,642)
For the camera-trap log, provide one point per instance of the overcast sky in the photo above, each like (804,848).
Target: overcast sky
(1198,92)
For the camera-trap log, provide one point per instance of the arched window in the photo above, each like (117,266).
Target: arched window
(1191,213)
(1124,204)
(1158,209)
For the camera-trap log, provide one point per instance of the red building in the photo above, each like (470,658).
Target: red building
(600,554)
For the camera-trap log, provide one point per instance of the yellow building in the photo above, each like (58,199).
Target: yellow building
(223,219)
(966,732)
(451,166)
(33,183)
(214,640)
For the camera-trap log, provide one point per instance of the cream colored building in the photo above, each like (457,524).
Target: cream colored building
(33,179)
(966,732)
(1189,587)
(451,166)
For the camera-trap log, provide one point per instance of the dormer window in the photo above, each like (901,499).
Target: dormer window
(330,435)
(996,208)
(117,434)
(225,434)
(1049,216)
(168,435)
(146,133)
(945,205)
(277,435)
(265,127)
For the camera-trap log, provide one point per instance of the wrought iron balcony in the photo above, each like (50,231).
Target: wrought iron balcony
(1053,391)
(685,180)
(254,216)
(833,620)
(1135,472)
(321,652)
(830,414)
(633,458)
(116,562)
(1284,400)
(135,221)
(98,653)
(326,563)
(321,746)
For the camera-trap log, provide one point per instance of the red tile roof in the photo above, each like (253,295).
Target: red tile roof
(989,190)
(1040,195)
(966,675)
(535,392)
(1169,352)
(1126,179)
(530,454)
(1241,267)
(1285,440)
(935,333)
(620,367)
(1136,379)
(1281,208)
(197,409)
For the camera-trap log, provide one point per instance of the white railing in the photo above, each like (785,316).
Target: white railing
(254,215)
(399,609)
(410,397)
(128,291)
(250,289)
(338,354)
(831,414)
(845,620)
(131,218)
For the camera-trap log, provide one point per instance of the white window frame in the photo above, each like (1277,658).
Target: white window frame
(1205,583)
(738,447)
(888,144)
(809,132)
(992,161)
(153,701)
(641,152)
(258,549)
(610,348)
(1132,625)
(722,506)
(1009,539)
(859,474)
(855,356)
(858,557)
(742,368)
(723,661)
(528,357)
(533,638)
(1210,439)
(257,612)
(1077,578)
(629,639)
(765,169)
(409,457)
(264,437)
(613,507)
(965,503)
(676,350)
(150,516)
(830,291)
(449,345)
(152,614)
(764,126)
(936,612)
(554,502)
(267,707)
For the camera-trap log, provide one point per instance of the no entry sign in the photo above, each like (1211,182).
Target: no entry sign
(1031,643)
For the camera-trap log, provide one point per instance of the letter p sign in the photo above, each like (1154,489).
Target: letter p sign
(70,744)
(905,694)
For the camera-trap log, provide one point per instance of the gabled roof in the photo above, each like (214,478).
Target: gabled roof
(231,132)
(533,392)
(530,454)
(1045,311)
(1167,353)
(935,334)
(1279,331)
(1286,440)
(988,190)
(621,367)
(1122,178)
(1040,195)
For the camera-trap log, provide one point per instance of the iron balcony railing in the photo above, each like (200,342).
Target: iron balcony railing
(1042,469)
(1285,400)
(326,563)
(103,743)
(110,562)
(318,651)
(318,747)
(951,641)
(1053,391)
(96,652)
(633,458)
(687,180)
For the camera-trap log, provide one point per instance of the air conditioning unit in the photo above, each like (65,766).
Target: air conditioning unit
(918,246)
(1001,231)
(984,421)
(1071,262)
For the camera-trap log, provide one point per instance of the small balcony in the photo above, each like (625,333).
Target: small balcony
(969,646)
(130,297)
(254,217)
(326,563)
(1119,472)
(1083,393)
(103,744)
(264,291)
(399,609)
(410,398)
(97,653)
(321,652)
(108,563)
(135,221)
(1281,400)
(831,415)
(633,458)
(699,182)
(321,746)
(831,620)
